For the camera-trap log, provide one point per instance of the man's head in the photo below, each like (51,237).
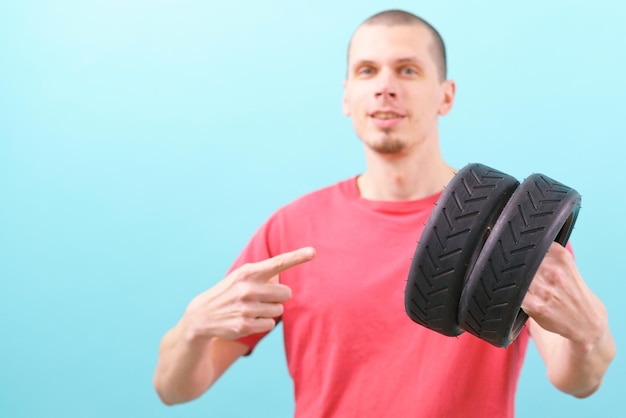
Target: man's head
(396,85)
(400,17)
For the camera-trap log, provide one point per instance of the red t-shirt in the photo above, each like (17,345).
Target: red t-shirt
(351,349)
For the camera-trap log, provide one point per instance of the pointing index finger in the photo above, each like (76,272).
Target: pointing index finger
(277,264)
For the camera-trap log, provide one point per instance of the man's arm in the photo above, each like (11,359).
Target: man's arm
(569,325)
(188,367)
(199,349)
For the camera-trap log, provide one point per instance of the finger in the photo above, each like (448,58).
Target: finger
(537,290)
(528,303)
(270,310)
(250,326)
(266,269)
(254,310)
(273,293)
(258,325)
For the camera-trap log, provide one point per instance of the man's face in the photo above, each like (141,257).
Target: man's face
(393,91)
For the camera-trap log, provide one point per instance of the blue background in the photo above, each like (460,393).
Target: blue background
(142,143)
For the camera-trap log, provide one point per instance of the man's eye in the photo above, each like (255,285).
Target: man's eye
(408,71)
(366,71)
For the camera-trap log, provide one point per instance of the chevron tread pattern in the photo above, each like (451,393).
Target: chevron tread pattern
(466,209)
(534,217)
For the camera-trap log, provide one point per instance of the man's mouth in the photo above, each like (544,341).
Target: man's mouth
(386,119)
(386,115)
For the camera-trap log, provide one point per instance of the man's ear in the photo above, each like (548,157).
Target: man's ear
(449,91)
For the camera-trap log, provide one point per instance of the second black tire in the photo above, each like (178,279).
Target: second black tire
(540,212)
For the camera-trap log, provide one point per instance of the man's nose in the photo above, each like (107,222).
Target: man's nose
(386,86)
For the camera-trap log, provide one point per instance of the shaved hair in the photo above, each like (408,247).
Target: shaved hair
(402,18)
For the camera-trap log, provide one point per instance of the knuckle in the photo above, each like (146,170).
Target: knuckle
(244,271)
(555,275)
(243,310)
(239,330)
(246,292)
(242,327)
(534,308)
(550,273)
(238,276)
(540,309)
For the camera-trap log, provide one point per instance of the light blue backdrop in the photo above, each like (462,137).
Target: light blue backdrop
(141,143)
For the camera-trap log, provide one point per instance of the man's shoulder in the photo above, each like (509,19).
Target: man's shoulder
(323,196)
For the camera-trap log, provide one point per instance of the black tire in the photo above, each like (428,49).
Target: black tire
(540,212)
(450,242)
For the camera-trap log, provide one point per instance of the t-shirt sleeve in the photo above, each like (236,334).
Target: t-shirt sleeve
(257,249)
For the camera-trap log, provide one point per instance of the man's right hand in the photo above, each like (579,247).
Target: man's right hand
(247,301)
(195,353)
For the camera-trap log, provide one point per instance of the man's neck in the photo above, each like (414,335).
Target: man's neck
(406,177)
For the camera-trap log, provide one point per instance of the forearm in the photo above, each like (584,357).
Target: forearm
(578,368)
(185,369)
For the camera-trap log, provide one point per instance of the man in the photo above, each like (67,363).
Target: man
(342,255)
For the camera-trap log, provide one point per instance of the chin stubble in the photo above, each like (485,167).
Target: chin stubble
(390,145)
